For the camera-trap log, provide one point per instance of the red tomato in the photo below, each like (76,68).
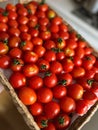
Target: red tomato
(17,80)
(94,88)
(27,95)
(15,53)
(71,43)
(14,41)
(88,50)
(41,121)
(67,104)
(3,17)
(26,45)
(32,18)
(35,82)
(63,27)
(4,36)
(51,109)
(77,61)
(30,57)
(62,121)
(43,65)
(43,21)
(44,95)
(50,80)
(22,11)
(31,8)
(60,55)
(34,32)
(50,13)
(65,79)
(40,14)
(79,52)
(89,74)
(4,61)
(23,28)
(68,65)
(39,50)
(54,28)
(56,67)
(81,107)
(43,6)
(3,48)
(42,28)
(25,36)
(31,23)
(30,70)
(78,72)
(3,27)
(23,20)
(73,35)
(14,31)
(37,41)
(36,109)
(59,91)
(75,91)
(50,126)
(60,43)
(64,35)
(49,44)
(69,52)
(50,56)
(57,20)
(45,35)
(16,64)
(82,43)
(10,7)
(13,23)
(89,97)
(12,15)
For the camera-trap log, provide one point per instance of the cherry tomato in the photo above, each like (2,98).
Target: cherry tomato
(23,20)
(27,95)
(60,43)
(59,91)
(78,72)
(50,13)
(49,44)
(35,82)
(50,56)
(43,7)
(30,57)
(31,8)
(81,107)
(68,65)
(30,70)
(3,27)
(73,35)
(3,48)
(57,20)
(88,50)
(44,95)
(37,41)
(36,109)
(10,7)
(45,35)
(89,74)
(63,27)
(4,36)
(31,23)
(50,126)
(25,36)
(43,65)
(56,67)
(14,31)
(82,43)
(26,45)
(65,79)
(39,50)
(13,23)
(15,53)
(77,61)
(14,41)
(60,55)
(40,14)
(67,104)
(41,121)
(54,28)
(16,64)
(71,43)
(22,11)
(34,32)
(50,80)
(23,28)
(94,88)
(75,91)
(62,121)
(4,61)
(3,17)
(17,80)
(79,52)
(64,35)
(69,52)
(51,109)
(12,15)
(43,21)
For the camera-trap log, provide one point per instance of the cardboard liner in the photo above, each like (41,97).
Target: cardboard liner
(77,124)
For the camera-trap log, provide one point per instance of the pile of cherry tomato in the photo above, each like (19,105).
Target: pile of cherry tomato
(54,72)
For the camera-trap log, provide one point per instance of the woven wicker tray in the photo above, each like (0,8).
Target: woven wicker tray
(77,124)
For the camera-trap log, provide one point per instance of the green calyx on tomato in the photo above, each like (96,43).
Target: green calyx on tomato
(23,43)
(56,50)
(42,2)
(5,13)
(79,37)
(43,67)
(37,27)
(59,40)
(5,41)
(16,62)
(61,120)
(44,123)
(88,58)
(48,74)
(90,81)
(62,82)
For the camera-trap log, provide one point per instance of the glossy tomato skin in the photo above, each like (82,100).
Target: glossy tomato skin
(51,109)
(50,126)
(23,20)
(45,35)
(36,109)
(43,7)
(23,28)
(61,43)
(3,48)
(4,61)
(3,17)
(78,72)
(49,44)
(4,36)
(14,31)
(27,95)
(30,70)
(75,91)
(50,80)
(56,67)
(77,61)
(65,79)
(63,27)
(13,23)
(50,56)
(22,11)
(94,88)
(54,28)
(79,52)
(43,65)
(69,52)
(30,57)
(35,82)
(67,104)
(62,121)
(26,45)
(17,80)
(57,20)
(15,53)
(25,36)
(59,91)
(60,55)
(44,95)
(88,50)
(43,21)
(37,41)
(3,27)
(70,43)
